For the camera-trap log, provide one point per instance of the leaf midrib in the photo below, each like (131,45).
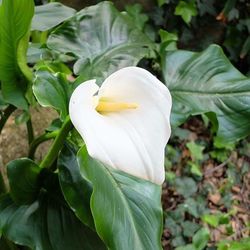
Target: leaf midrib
(190,92)
(123,197)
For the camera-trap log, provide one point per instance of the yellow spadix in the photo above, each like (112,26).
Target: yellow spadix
(106,105)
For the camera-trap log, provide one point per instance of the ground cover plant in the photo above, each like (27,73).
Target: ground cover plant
(81,194)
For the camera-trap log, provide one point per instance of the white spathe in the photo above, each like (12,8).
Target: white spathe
(131,140)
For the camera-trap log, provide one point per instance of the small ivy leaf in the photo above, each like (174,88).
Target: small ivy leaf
(189,228)
(186,10)
(186,186)
(211,219)
(173,226)
(195,168)
(168,41)
(135,13)
(201,238)
(195,150)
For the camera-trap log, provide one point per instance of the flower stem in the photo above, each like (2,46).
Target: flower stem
(30,131)
(6,114)
(39,140)
(57,144)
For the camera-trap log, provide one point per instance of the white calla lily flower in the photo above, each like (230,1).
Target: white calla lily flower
(126,122)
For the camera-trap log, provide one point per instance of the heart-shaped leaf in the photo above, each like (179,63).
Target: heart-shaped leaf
(102,39)
(14,27)
(23,176)
(127,210)
(52,90)
(207,82)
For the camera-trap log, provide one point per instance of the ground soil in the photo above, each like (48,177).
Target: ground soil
(13,139)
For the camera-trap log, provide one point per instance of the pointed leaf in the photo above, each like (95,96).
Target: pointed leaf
(52,90)
(207,82)
(127,210)
(102,39)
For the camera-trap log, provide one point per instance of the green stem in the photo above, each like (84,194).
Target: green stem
(43,37)
(39,140)
(35,36)
(57,144)
(22,58)
(30,131)
(2,184)
(6,114)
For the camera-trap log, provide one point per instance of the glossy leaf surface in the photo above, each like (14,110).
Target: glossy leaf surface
(75,188)
(23,176)
(127,210)
(48,223)
(207,82)
(102,39)
(52,90)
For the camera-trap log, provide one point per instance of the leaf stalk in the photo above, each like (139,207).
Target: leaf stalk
(5,116)
(35,143)
(51,156)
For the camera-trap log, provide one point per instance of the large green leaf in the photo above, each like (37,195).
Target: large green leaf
(23,176)
(14,27)
(46,224)
(52,90)
(127,210)
(50,15)
(75,188)
(102,39)
(207,82)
